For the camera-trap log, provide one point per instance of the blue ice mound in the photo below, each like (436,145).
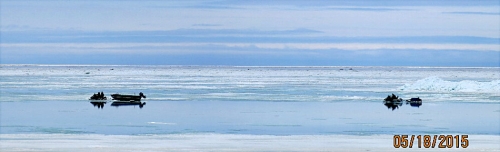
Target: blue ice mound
(436,84)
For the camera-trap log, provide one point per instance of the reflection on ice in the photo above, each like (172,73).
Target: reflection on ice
(394,102)
(128,103)
(414,103)
(99,104)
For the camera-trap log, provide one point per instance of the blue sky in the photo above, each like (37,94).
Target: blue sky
(254,33)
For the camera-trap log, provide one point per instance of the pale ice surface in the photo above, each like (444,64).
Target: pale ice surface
(199,83)
(227,108)
(249,117)
(221,142)
(436,84)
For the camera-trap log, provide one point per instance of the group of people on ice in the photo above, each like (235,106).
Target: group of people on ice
(393,98)
(98,96)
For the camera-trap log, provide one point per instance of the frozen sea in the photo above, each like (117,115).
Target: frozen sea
(232,108)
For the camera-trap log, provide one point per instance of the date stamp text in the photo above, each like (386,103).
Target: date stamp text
(431,141)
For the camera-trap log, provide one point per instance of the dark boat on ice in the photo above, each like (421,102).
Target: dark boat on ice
(414,102)
(128,100)
(393,98)
(98,100)
(393,102)
(98,97)
(122,97)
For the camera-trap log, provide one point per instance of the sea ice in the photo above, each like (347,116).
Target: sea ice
(219,142)
(439,85)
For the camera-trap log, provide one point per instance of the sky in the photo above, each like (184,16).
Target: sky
(251,33)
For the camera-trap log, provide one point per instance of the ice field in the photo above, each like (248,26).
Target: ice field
(226,108)
(200,83)
(219,142)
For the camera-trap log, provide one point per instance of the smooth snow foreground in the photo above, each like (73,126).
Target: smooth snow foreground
(219,142)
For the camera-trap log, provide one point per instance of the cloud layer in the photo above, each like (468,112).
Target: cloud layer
(462,33)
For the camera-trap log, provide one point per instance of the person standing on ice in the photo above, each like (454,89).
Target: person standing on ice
(141,95)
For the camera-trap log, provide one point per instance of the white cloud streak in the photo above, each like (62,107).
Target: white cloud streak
(333,20)
(296,46)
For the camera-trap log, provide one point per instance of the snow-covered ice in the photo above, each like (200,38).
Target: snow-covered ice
(198,83)
(227,108)
(219,142)
(436,84)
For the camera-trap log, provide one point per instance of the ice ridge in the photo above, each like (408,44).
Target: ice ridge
(437,84)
